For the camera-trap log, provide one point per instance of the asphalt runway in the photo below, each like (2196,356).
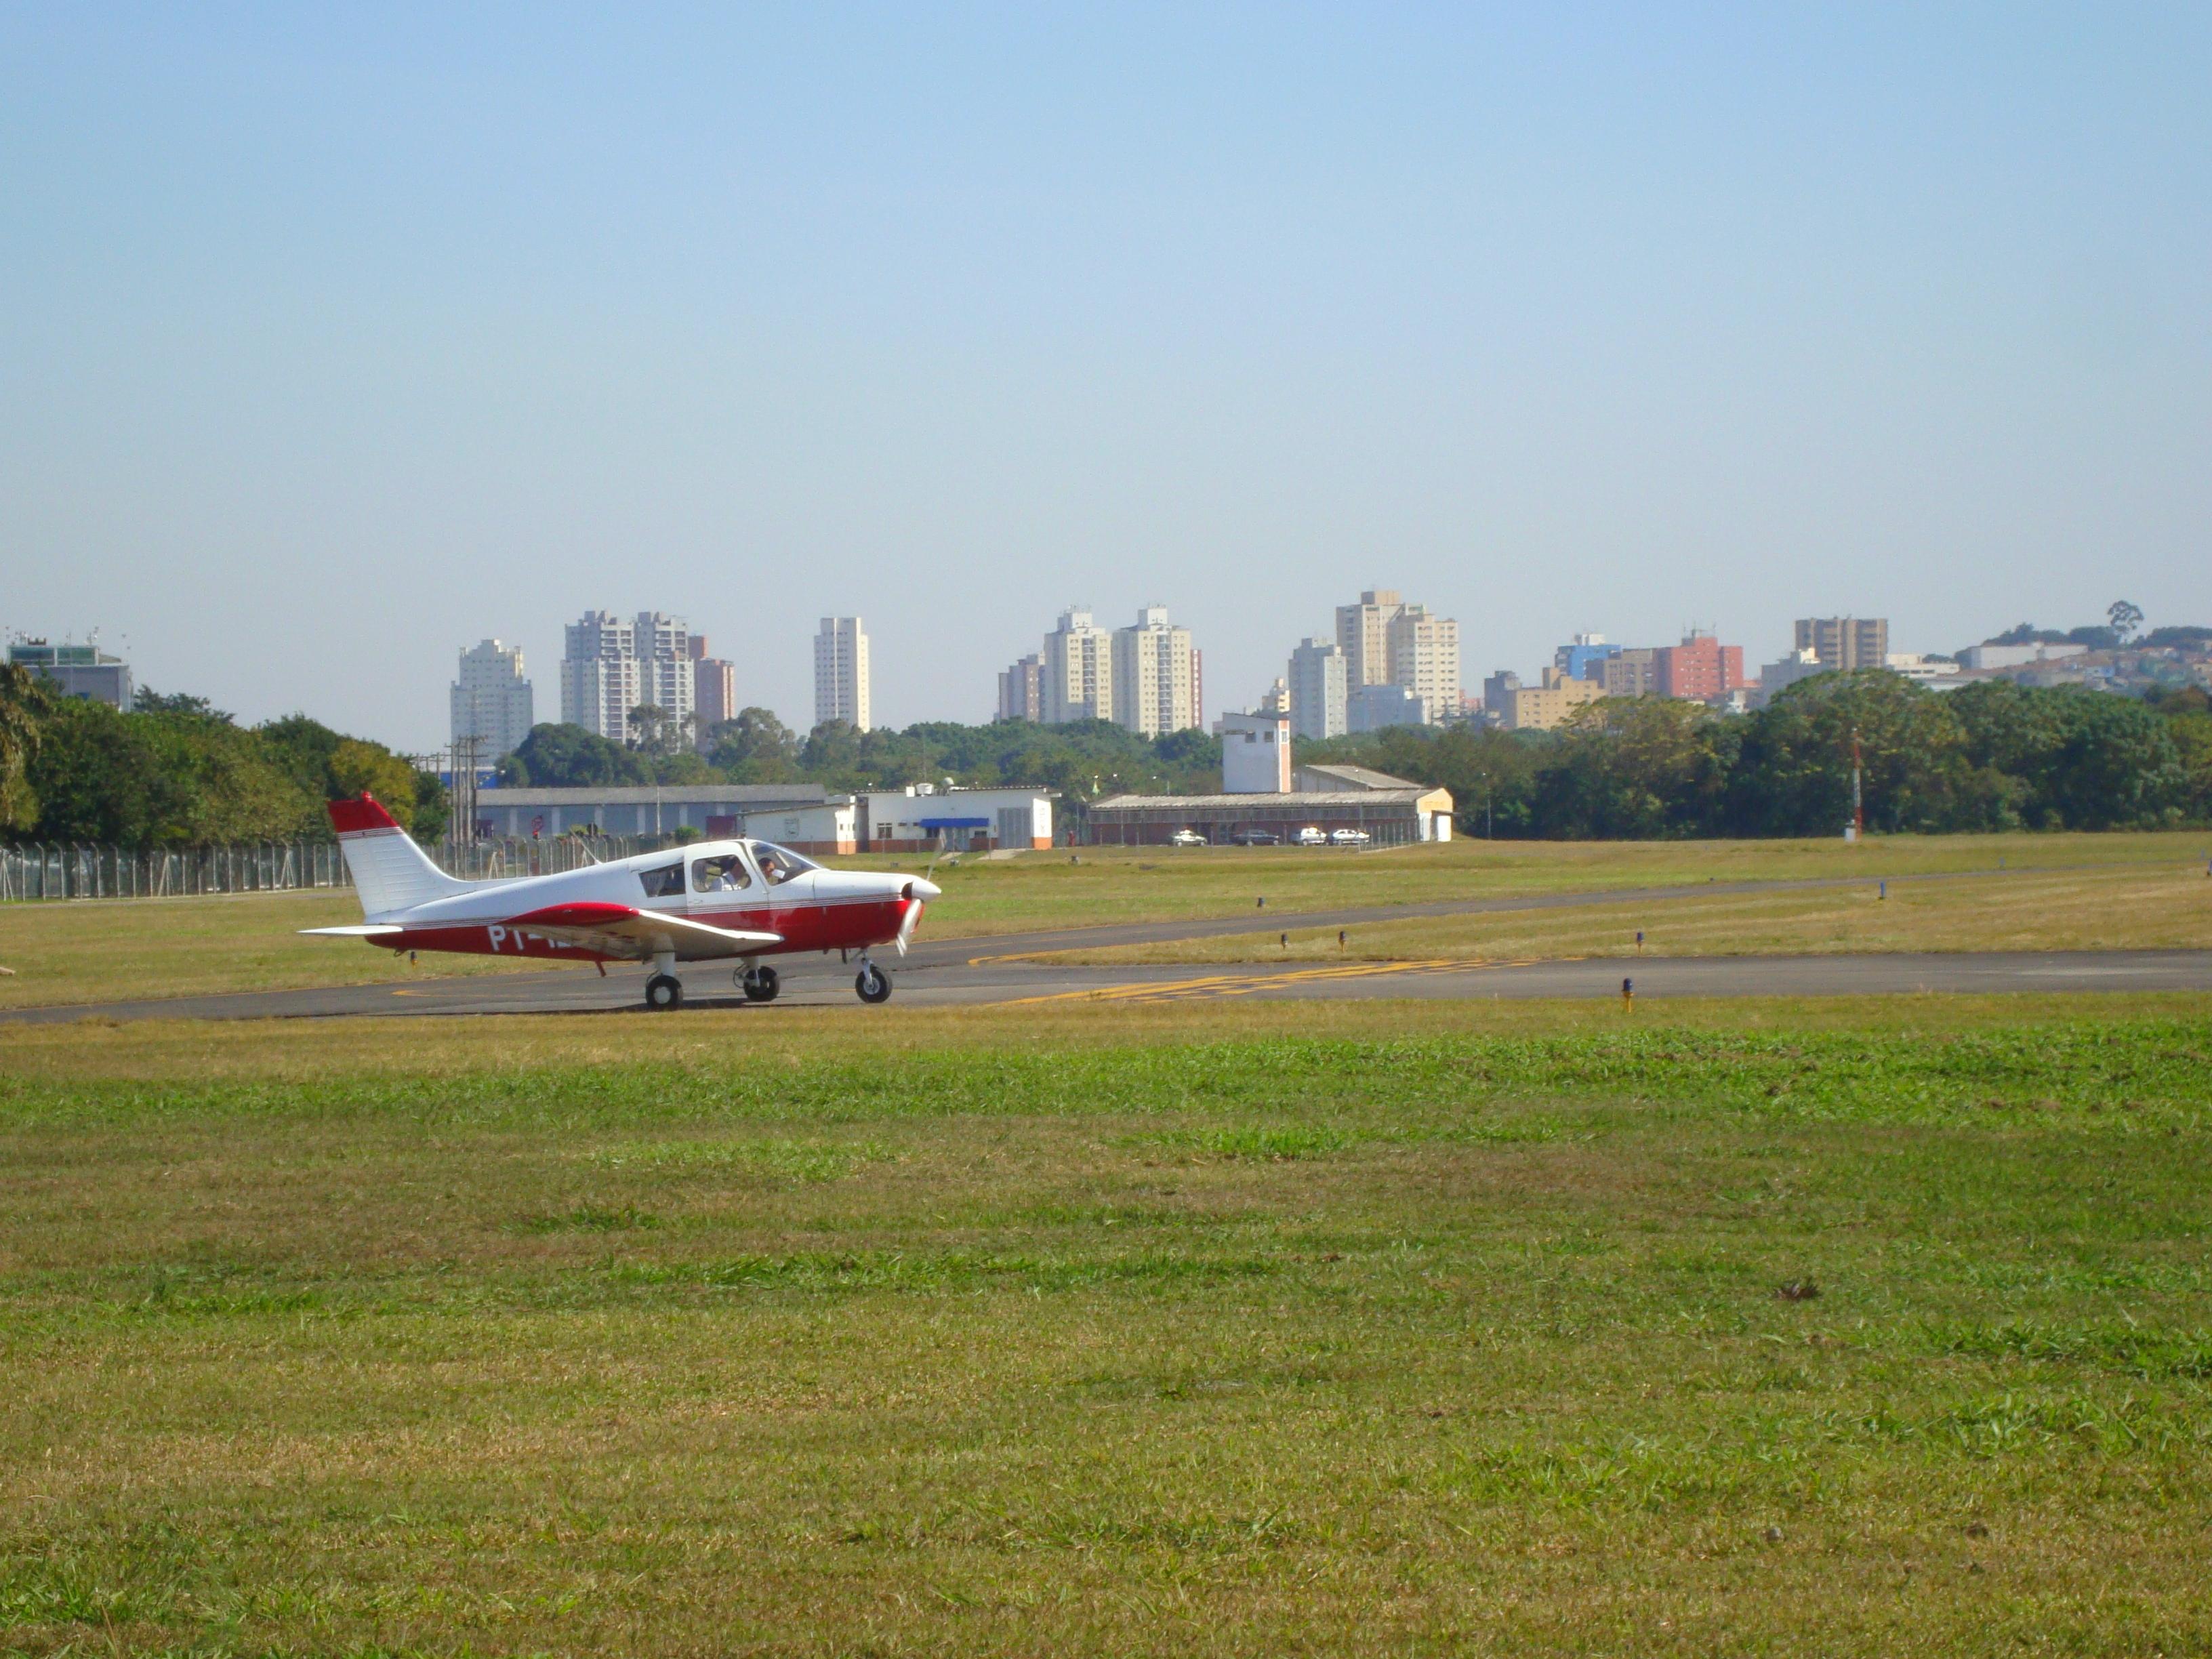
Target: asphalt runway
(957,973)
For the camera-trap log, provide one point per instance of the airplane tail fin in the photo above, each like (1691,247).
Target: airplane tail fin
(389,870)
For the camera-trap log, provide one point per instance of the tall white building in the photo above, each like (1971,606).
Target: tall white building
(840,673)
(1363,634)
(665,676)
(1425,661)
(598,674)
(1387,642)
(492,701)
(613,665)
(1079,670)
(1318,678)
(1155,675)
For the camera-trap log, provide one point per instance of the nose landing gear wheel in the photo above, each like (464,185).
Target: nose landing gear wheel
(760,984)
(874,985)
(664,991)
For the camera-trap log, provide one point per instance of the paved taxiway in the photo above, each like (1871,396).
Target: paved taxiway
(951,973)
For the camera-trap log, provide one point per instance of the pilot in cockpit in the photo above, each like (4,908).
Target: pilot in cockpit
(725,873)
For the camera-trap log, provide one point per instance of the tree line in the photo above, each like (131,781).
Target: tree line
(1990,755)
(177,772)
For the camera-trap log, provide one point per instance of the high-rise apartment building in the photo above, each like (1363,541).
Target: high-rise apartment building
(1363,633)
(614,664)
(1021,689)
(840,672)
(1387,642)
(492,702)
(1079,670)
(664,665)
(1425,661)
(1319,685)
(1155,680)
(1701,668)
(714,693)
(599,683)
(1631,673)
(1844,643)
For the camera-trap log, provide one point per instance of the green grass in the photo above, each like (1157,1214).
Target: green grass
(1315,1330)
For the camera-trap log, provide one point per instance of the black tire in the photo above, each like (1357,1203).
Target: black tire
(663,992)
(874,985)
(761,985)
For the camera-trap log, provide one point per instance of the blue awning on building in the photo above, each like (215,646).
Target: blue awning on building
(955,823)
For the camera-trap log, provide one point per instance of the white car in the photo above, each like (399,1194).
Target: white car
(1348,837)
(1310,836)
(1186,838)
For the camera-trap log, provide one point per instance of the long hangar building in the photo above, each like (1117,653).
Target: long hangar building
(1261,791)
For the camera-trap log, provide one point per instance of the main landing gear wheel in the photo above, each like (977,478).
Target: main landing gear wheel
(759,984)
(664,991)
(874,985)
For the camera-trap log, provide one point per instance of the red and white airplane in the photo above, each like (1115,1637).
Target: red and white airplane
(709,902)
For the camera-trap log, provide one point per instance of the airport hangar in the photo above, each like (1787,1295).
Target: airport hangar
(1393,812)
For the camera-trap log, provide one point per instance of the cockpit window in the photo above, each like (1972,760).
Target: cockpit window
(666,881)
(725,872)
(780,864)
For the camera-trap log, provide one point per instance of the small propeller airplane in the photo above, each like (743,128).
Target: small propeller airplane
(712,901)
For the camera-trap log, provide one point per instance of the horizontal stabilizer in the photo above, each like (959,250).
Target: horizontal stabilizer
(366,930)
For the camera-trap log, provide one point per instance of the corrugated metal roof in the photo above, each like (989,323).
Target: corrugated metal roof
(1366,777)
(1409,796)
(707,794)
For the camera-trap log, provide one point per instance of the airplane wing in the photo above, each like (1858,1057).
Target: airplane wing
(620,930)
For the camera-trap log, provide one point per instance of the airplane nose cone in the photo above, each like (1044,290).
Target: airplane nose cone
(923,891)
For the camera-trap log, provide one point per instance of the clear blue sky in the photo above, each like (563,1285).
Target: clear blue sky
(333,339)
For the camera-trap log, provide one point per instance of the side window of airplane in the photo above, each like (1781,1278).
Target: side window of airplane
(666,881)
(723,874)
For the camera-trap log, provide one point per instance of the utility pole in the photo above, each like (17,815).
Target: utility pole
(1858,791)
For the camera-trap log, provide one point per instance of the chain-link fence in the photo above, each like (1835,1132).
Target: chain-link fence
(81,872)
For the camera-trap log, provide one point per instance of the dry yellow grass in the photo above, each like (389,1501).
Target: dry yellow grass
(102,950)
(2116,909)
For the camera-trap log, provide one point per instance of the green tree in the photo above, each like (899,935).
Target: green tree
(1793,774)
(1638,767)
(569,757)
(358,767)
(753,746)
(2075,759)
(24,703)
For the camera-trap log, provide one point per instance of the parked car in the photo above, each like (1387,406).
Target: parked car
(1348,837)
(1311,836)
(1255,838)
(1186,838)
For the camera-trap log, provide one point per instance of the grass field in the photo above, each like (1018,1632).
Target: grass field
(1847,1326)
(95,951)
(2098,909)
